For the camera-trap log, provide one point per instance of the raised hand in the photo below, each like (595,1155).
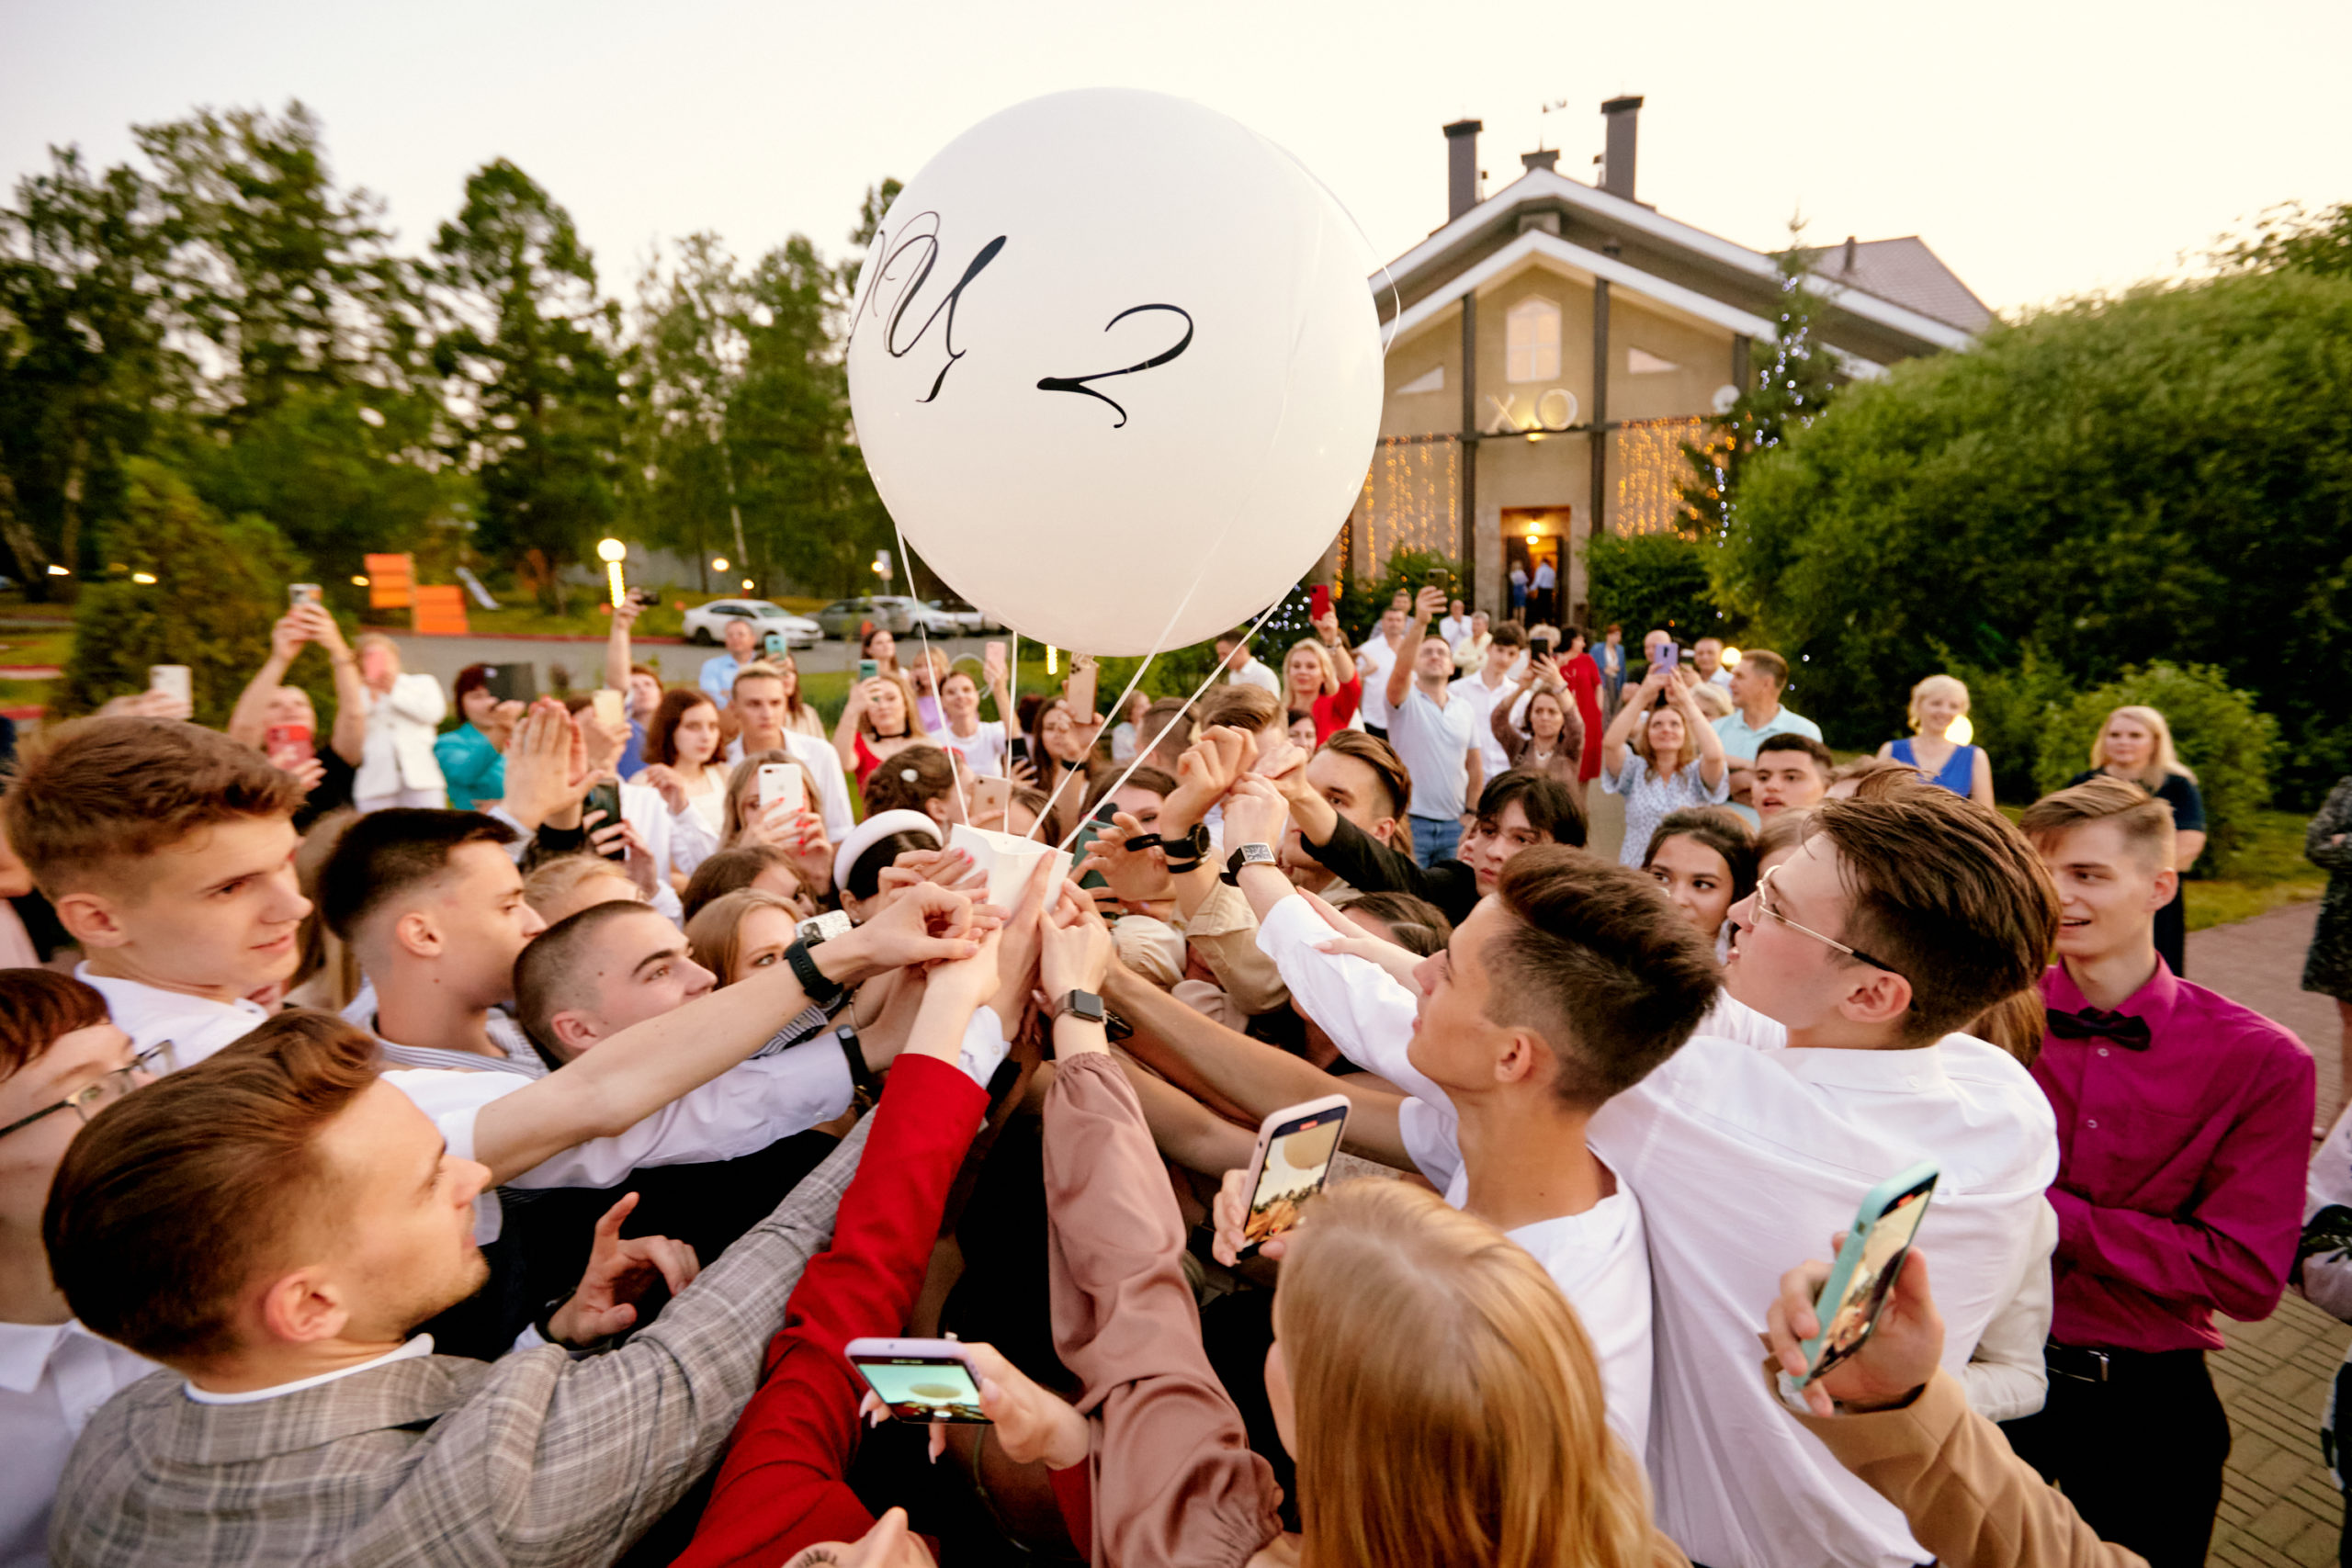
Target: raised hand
(288,633)
(1255,813)
(1347,938)
(662,777)
(539,780)
(1205,771)
(1136,876)
(1230,1214)
(619,1274)
(308,771)
(925,924)
(1898,1357)
(1074,951)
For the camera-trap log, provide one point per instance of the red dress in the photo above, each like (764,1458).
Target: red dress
(1584,681)
(1334,709)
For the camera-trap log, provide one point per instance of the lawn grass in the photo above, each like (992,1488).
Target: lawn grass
(2270,871)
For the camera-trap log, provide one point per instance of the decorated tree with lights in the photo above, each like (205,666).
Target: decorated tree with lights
(1788,391)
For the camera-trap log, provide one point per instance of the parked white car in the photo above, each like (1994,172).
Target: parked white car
(708,623)
(929,617)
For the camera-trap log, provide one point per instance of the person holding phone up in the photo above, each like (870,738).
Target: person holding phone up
(1434,729)
(280,720)
(1662,756)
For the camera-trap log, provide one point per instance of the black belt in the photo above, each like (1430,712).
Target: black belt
(2086,1363)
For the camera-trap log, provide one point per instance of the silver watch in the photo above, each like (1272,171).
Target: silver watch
(823,927)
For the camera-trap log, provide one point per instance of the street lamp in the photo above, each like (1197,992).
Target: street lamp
(612,552)
(718,563)
(746,585)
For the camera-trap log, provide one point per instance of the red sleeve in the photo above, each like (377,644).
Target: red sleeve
(1334,709)
(781,1486)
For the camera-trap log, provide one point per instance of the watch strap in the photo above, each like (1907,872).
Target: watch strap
(813,981)
(863,1084)
(1079,1004)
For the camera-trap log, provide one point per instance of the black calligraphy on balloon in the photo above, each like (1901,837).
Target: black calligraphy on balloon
(1080,384)
(921,237)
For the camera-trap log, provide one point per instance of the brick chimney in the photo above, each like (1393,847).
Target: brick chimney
(1542,158)
(1617,163)
(1462,167)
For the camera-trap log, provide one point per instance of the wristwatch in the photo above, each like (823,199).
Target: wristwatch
(823,927)
(1081,1004)
(821,988)
(1186,851)
(1249,854)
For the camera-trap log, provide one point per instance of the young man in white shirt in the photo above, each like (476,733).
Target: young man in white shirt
(1242,667)
(1433,731)
(1831,1064)
(1707,658)
(759,703)
(1377,657)
(979,742)
(1564,989)
(1487,685)
(168,851)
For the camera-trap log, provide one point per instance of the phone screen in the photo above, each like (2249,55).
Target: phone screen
(922,1388)
(1298,1158)
(867,669)
(301,594)
(604,798)
(1857,1288)
(607,705)
(774,645)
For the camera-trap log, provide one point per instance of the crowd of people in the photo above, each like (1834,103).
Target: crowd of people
(428,1142)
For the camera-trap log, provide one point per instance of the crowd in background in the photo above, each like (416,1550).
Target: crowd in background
(429,1141)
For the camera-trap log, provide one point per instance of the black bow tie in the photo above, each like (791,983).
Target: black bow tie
(2126,1030)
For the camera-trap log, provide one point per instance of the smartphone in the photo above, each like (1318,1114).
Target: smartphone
(607,705)
(773,645)
(288,744)
(1438,577)
(1289,1165)
(1318,601)
(512,682)
(1542,647)
(175,679)
(1669,656)
(991,800)
(604,798)
(1082,843)
(867,669)
(920,1380)
(996,652)
(784,781)
(1016,750)
(1857,1288)
(301,594)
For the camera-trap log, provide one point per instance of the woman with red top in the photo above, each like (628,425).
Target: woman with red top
(1311,681)
(1583,678)
(877,722)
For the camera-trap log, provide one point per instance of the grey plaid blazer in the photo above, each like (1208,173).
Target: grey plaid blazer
(534,1458)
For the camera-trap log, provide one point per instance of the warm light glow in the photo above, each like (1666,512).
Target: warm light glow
(1532,538)
(1731,658)
(882,569)
(718,563)
(59,571)
(142,577)
(746,585)
(1960,731)
(613,578)
(359,581)
(611,550)
(1052,658)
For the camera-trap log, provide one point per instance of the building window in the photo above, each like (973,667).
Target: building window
(1532,340)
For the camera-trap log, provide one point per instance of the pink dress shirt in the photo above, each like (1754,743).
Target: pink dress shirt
(2180,1167)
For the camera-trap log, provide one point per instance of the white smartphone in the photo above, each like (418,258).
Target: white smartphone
(178,679)
(920,1380)
(784,781)
(607,703)
(1289,1166)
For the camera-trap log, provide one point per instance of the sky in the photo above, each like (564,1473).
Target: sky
(2043,150)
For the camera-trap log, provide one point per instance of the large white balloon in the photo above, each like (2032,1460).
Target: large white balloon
(1115,370)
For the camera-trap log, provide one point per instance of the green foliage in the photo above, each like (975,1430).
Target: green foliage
(529,345)
(2161,475)
(219,586)
(1785,393)
(1360,607)
(2009,707)
(2293,237)
(1645,580)
(2220,736)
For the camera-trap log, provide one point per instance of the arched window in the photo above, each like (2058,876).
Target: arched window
(1532,340)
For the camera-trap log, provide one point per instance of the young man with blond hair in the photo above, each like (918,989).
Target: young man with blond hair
(2183,1130)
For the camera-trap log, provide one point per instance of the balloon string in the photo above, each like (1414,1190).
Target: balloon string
(938,682)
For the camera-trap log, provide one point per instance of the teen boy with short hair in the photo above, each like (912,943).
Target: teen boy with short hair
(1791,773)
(2183,1132)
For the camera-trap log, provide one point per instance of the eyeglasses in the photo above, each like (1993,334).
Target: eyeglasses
(92,1098)
(1764,887)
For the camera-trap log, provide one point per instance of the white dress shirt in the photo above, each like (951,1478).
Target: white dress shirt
(1434,743)
(2009,1376)
(1473,689)
(1750,1155)
(1253,672)
(678,841)
(1598,1259)
(1374,660)
(54,1377)
(420,1345)
(1454,628)
(196,1026)
(833,789)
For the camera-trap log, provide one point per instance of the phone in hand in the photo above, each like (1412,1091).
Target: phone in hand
(784,781)
(1016,750)
(301,594)
(1318,601)
(1669,656)
(604,798)
(1863,1276)
(867,669)
(1541,645)
(288,746)
(174,680)
(773,645)
(1289,1166)
(920,1380)
(607,704)
(991,801)
(1084,843)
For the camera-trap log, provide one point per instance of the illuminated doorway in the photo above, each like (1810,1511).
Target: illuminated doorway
(1535,536)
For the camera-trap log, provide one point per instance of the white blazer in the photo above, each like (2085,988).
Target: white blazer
(400,726)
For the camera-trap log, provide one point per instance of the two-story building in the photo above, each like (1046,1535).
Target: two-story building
(1554,346)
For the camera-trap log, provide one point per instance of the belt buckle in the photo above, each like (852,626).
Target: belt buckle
(2097,1358)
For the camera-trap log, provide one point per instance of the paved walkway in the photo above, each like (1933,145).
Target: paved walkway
(2278,1506)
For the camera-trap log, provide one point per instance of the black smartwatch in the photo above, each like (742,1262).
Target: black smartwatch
(864,1088)
(1186,851)
(822,990)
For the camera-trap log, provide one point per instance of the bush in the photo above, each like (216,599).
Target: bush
(1645,581)
(219,587)
(1360,607)
(2217,731)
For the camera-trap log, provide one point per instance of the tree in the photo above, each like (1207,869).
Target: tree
(2158,476)
(1785,393)
(1645,581)
(527,352)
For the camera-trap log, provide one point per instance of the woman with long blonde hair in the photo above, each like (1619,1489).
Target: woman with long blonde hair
(1441,1399)
(1311,684)
(879,721)
(2135,744)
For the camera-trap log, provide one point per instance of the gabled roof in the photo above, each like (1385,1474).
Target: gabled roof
(1907,272)
(1655,251)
